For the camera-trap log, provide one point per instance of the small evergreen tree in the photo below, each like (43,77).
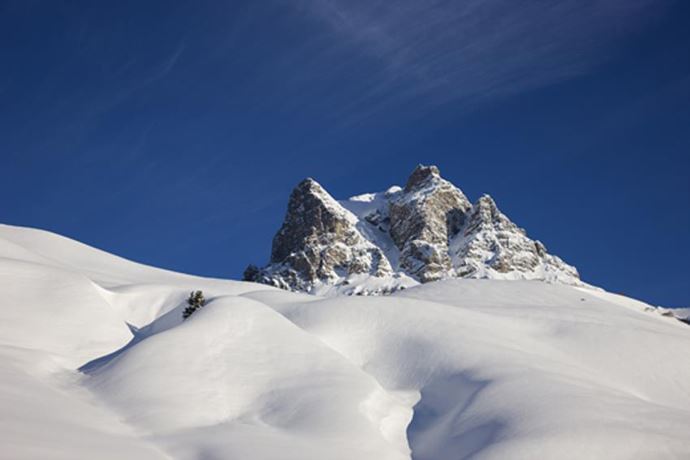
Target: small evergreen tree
(194,302)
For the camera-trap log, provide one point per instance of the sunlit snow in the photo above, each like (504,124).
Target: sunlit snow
(96,363)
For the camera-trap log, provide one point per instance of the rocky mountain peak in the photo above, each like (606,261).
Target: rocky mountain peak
(485,214)
(378,242)
(318,243)
(486,204)
(308,184)
(421,175)
(423,219)
(492,246)
(311,212)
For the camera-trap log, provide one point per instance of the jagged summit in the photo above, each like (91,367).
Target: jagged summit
(424,218)
(380,242)
(485,214)
(312,213)
(318,244)
(420,175)
(492,246)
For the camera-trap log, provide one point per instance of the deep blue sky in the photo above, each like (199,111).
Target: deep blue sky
(171,133)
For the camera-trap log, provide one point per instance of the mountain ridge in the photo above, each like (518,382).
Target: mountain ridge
(378,243)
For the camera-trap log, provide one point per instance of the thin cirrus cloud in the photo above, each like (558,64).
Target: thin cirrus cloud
(436,52)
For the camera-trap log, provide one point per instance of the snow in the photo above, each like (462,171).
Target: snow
(364,284)
(369,204)
(460,368)
(682,313)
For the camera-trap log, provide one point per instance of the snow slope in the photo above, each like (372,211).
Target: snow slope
(96,362)
(682,313)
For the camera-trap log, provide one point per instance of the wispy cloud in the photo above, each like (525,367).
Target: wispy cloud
(441,50)
(165,66)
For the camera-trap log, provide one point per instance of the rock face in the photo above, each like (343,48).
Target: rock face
(318,243)
(491,246)
(424,217)
(377,243)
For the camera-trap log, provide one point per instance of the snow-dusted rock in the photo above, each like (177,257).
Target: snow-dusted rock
(424,217)
(318,244)
(491,246)
(380,242)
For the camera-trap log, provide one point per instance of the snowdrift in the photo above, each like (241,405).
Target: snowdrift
(96,362)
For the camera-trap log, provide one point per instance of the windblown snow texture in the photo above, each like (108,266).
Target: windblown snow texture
(96,362)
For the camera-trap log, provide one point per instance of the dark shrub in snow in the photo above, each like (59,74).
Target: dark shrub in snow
(194,302)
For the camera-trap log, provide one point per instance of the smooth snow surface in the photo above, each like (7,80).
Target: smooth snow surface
(96,363)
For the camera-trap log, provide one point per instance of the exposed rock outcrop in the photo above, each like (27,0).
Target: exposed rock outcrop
(318,243)
(423,218)
(377,243)
(491,246)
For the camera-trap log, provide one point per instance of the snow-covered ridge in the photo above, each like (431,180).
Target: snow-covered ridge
(460,368)
(399,238)
(681,314)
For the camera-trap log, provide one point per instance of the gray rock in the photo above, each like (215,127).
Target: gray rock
(490,242)
(379,243)
(318,243)
(423,219)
